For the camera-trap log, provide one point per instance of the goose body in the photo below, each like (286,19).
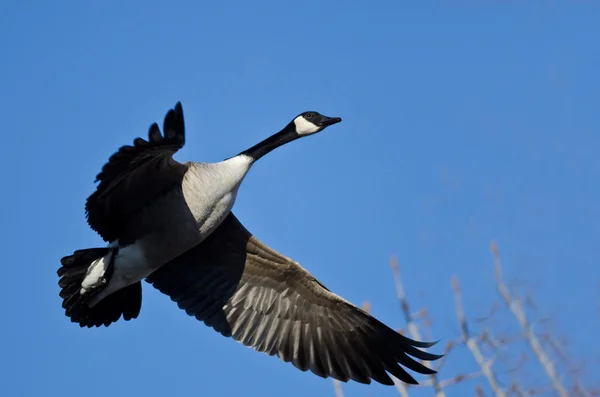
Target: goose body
(171,224)
(207,194)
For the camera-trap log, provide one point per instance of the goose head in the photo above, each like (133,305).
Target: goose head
(307,123)
(311,122)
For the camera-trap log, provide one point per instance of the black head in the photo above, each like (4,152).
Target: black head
(311,122)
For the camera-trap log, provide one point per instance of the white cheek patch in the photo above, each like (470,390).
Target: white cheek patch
(304,127)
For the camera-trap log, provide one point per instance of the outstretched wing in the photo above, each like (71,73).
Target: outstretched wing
(135,175)
(244,289)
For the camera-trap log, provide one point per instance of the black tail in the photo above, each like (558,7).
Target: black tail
(126,302)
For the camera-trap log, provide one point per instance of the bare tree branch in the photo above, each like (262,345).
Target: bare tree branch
(337,386)
(501,350)
(517,309)
(471,342)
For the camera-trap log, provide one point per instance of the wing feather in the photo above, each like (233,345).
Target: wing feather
(246,290)
(135,175)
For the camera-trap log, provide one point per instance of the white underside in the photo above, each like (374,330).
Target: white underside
(210,191)
(94,274)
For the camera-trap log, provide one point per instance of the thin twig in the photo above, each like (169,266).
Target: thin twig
(558,349)
(471,342)
(449,347)
(401,386)
(459,379)
(479,391)
(517,309)
(581,390)
(515,389)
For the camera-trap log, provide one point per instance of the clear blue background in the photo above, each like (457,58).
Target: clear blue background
(464,121)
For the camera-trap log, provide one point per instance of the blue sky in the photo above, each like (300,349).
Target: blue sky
(464,121)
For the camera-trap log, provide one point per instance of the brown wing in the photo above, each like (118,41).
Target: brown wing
(244,289)
(135,175)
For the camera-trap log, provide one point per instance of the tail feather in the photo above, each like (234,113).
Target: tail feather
(95,264)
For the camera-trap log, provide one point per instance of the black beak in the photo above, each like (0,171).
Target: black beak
(327,121)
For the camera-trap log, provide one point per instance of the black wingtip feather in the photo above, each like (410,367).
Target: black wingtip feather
(173,125)
(416,343)
(420,354)
(173,139)
(154,135)
(414,365)
(140,143)
(424,345)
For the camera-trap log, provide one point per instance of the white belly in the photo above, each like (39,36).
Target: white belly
(130,267)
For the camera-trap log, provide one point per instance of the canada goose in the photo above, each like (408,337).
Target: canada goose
(171,224)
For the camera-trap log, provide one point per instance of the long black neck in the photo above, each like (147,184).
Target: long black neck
(284,136)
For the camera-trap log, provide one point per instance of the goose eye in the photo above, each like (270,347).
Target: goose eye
(308,115)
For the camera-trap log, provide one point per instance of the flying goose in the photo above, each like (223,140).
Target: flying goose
(171,224)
